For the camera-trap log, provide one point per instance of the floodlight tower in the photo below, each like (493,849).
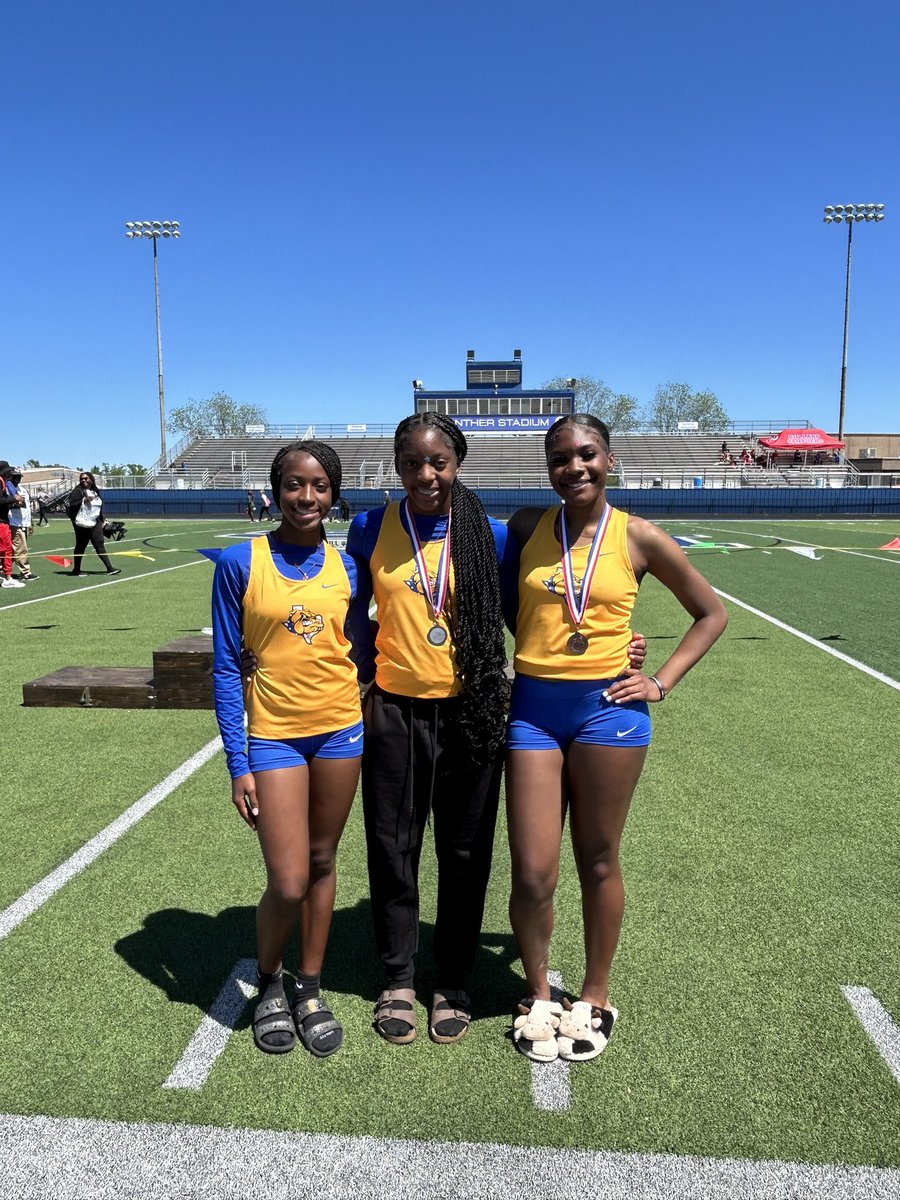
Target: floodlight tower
(851,213)
(154,230)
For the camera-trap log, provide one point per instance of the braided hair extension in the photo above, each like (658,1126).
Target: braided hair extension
(586,420)
(478,620)
(327,458)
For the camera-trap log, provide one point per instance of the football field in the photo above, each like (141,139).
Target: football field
(758,977)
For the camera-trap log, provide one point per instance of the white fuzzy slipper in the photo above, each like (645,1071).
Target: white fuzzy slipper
(534,1030)
(584,1030)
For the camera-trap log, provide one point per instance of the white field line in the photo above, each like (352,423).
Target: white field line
(193,1068)
(69,1158)
(805,637)
(108,583)
(32,900)
(797,542)
(550,1081)
(877,1023)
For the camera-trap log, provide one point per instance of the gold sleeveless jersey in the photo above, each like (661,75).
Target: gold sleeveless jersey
(406,662)
(544,625)
(305,683)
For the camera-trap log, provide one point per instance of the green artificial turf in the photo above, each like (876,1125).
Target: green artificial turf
(761,865)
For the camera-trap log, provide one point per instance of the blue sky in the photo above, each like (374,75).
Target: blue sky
(366,189)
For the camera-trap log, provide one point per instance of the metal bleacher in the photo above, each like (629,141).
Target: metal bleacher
(509,460)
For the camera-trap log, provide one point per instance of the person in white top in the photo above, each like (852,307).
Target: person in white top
(20,524)
(8,502)
(85,511)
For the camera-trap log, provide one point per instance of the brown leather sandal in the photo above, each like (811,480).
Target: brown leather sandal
(451,1014)
(395,1015)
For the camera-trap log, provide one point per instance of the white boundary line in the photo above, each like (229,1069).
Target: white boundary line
(550,1081)
(805,637)
(72,1157)
(108,583)
(193,1068)
(877,1023)
(32,900)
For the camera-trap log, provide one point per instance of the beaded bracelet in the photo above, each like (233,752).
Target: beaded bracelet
(662,690)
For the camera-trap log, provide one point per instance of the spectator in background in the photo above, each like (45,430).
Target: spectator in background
(42,507)
(264,506)
(20,524)
(251,507)
(8,501)
(85,510)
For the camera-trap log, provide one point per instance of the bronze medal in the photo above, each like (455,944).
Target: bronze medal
(577,643)
(436,636)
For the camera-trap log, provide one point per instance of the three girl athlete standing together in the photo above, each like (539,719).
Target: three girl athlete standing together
(434,720)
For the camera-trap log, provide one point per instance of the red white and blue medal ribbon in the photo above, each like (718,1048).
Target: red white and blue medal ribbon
(577,603)
(436,600)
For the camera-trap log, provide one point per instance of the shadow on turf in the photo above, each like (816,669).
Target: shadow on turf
(189,955)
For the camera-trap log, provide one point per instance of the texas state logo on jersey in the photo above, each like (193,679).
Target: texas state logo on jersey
(303,623)
(556,586)
(414,583)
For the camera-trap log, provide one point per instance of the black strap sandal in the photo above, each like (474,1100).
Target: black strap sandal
(272,1017)
(317,1027)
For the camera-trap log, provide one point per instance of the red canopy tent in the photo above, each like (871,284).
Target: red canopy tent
(802,439)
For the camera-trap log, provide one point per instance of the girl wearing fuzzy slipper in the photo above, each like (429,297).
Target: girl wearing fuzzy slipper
(579,723)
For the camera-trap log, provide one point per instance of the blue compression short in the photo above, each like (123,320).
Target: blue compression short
(550,714)
(271,754)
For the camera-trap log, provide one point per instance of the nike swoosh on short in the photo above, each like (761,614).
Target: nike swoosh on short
(359,735)
(328,585)
(625,732)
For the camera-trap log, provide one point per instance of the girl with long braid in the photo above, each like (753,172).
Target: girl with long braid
(434,718)
(287,595)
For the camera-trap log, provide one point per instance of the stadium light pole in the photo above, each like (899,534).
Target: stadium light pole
(154,230)
(851,213)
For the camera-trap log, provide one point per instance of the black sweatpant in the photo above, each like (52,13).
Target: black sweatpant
(415,761)
(94,535)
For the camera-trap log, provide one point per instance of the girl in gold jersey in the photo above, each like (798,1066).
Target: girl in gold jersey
(579,726)
(434,720)
(287,596)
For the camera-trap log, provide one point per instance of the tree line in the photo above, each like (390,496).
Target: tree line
(221,416)
(672,402)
